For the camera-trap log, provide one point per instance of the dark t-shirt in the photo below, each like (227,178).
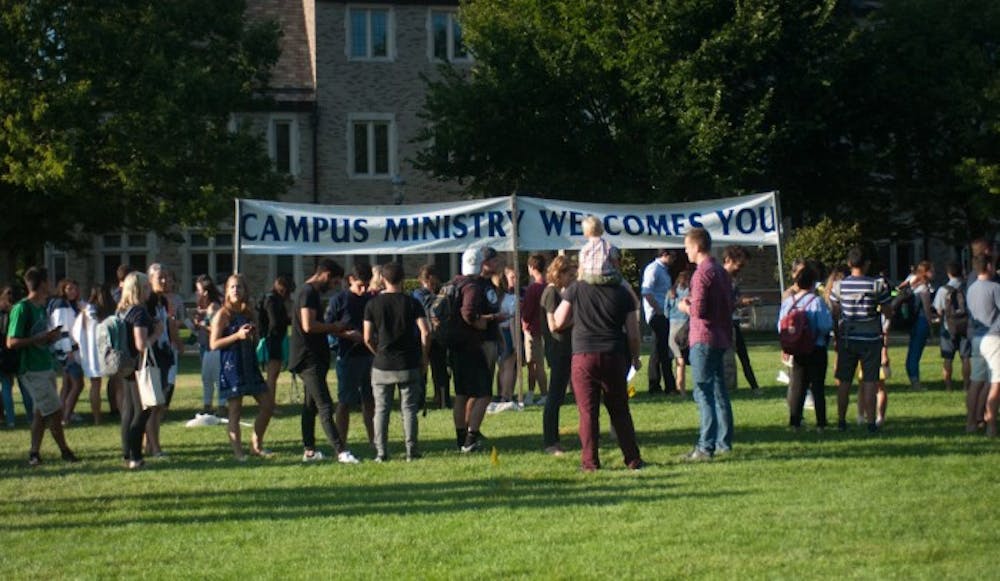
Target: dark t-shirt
(277,316)
(599,313)
(479,297)
(348,308)
(138,317)
(558,340)
(307,349)
(394,318)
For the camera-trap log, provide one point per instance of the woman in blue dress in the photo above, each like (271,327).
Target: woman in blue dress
(234,335)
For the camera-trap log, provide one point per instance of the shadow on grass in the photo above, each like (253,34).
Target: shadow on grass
(338,500)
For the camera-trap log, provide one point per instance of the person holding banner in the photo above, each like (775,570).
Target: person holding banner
(309,356)
(710,306)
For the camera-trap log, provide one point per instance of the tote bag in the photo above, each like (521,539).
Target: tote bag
(150,381)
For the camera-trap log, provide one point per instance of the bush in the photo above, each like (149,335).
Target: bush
(825,241)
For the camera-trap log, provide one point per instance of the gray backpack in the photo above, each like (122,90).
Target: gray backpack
(115,354)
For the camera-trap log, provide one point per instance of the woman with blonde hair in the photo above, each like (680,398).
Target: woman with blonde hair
(142,328)
(234,335)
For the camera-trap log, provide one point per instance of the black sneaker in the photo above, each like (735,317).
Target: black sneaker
(842,425)
(34,459)
(472,446)
(69,456)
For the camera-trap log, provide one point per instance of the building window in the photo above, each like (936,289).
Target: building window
(371,145)
(369,33)
(210,254)
(283,145)
(123,248)
(445,42)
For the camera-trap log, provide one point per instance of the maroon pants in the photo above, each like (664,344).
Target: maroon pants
(595,374)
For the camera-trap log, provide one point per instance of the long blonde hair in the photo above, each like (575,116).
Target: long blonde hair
(243,306)
(135,291)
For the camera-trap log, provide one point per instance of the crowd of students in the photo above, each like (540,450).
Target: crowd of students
(578,318)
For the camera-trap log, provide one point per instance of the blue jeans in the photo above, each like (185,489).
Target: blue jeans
(714,408)
(918,338)
(7,386)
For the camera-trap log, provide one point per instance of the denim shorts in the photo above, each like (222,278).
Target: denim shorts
(354,380)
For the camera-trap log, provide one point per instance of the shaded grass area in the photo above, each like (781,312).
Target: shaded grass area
(916,501)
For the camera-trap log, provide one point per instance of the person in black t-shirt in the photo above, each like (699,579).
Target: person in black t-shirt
(605,337)
(309,356)
(400,324)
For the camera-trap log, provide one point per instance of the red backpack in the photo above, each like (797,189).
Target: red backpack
(794,332)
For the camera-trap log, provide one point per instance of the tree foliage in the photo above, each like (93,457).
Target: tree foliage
(891,107)
(115,115)
(826,241)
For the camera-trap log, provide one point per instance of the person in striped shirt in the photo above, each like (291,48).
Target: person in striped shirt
(855,300)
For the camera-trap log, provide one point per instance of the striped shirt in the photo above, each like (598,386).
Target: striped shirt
(859,298)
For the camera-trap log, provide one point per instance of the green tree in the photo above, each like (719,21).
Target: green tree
(927,130)
(115,115)
(642,100)
(826,241)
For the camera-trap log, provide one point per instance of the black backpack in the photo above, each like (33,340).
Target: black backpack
(956,315)
(445,315)
(10,360)
(263,321)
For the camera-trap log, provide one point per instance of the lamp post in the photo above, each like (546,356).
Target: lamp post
(398,185)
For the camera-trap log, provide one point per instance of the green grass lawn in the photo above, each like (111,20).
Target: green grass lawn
(917,501)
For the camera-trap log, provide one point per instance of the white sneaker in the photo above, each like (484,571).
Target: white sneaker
(810,402)
(346,457)
(783,377)
(315,457)
(506,406)
(541,401)
(492,407)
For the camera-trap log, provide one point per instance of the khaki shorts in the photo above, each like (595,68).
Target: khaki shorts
(989,350)
(534,349)
(41,386)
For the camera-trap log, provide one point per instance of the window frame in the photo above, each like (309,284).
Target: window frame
(371,119)
(294,168)
(450,57)
(390,35)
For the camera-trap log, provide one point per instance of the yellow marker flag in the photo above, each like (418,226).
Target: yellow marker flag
(494,457)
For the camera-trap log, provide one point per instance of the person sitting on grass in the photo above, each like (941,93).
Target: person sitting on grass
(234,336)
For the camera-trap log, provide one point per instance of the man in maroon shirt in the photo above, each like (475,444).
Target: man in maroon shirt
(710,306)
(531,324)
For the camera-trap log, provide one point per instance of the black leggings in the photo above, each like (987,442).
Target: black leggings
(560,365)
(133,420)
(808,374)
(318,402)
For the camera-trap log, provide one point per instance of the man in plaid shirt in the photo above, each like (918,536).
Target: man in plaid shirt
(710,306)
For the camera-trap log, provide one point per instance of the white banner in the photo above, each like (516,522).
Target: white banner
(281,228)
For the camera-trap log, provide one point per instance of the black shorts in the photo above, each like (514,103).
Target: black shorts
(473,368)
(851,352)
(275,348)
(949,346)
